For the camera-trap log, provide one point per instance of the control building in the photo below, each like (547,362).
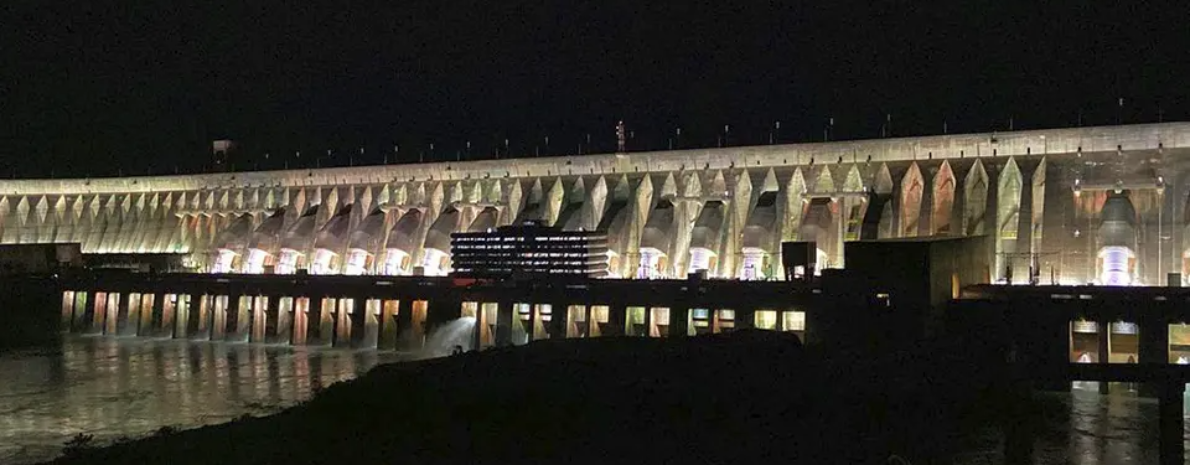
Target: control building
(529,249)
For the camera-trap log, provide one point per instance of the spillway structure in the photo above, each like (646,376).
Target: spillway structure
(1105,205)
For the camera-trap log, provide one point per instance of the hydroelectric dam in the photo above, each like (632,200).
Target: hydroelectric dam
(928,232)
(1102,205)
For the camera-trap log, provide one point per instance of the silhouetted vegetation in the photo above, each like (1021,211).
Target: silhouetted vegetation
(77,445)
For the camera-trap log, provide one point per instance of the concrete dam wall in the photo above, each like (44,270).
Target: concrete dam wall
(1096,204)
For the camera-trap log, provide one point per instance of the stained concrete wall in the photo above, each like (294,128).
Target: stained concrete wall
(1019,188)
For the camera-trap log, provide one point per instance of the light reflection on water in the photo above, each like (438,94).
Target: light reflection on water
(111,387)
(1082,427)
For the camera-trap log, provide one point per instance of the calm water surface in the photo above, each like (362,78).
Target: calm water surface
(111,387)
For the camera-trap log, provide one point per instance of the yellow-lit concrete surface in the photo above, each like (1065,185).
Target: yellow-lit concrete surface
(1039,194)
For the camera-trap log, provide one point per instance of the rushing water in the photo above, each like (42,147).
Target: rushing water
(113,387)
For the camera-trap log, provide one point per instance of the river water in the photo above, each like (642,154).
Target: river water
(113,387)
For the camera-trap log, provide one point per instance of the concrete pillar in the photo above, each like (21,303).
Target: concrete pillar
(182,316)
(122,309)
(85,324)
(559,319)
(232,322)
(277,321)
(198,322)
(153,317)
(388,324)
(169,313)
(314,321)
(404,321)
(679,321)
(1154,347)
(617,320)
(299,320)
(67,314)
(1104,356)
(358,317)
(745,318)
(504,317)
(1170,420)
(344,309)
(326,321)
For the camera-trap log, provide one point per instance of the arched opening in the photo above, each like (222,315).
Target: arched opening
(225,261)
(357,263)
(396,262)
(325,262)
(755,264)
(257,259)
(289,262)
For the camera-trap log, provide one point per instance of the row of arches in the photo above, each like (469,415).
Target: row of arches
(727,222)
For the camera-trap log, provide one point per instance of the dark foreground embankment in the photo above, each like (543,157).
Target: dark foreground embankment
(751,397)
(28,315)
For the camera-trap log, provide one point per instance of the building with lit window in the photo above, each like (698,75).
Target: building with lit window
(529,249)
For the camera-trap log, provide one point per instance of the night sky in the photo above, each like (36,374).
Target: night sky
(103,88)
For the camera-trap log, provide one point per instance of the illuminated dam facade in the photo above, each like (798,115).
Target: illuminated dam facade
(1104,205)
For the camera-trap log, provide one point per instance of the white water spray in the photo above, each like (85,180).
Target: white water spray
(443,340)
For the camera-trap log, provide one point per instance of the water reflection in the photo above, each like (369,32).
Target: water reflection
(111,387)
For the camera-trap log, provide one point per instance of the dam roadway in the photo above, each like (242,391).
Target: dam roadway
(1041,196)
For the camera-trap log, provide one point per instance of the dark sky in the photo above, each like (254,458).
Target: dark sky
(100,88)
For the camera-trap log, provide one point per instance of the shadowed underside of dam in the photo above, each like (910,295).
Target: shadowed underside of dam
(1100,204)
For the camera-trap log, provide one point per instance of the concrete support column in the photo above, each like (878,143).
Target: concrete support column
(85,324)
(531,328)
(405,326)
(359,321)
(123,307)
(314,321)
(388,324)
(198,324)
(257,319)
(559,319)
(1104,346)
(155,316)
(679,321)
(617,319)
(182,316)
(232,323)
(504,317)
(272,319)
(1154,348)
(745,318)
(341,315)
(1170,420)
